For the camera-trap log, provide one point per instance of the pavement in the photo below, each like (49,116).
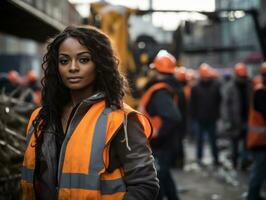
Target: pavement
(207,182)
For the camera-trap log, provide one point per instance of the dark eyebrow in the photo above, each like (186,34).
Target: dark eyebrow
(84,52)
(62,54)
(80,53)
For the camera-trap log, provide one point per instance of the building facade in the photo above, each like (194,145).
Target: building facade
(26,25)
(227,37)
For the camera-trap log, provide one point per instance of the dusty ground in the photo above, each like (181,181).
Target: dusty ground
(209,183)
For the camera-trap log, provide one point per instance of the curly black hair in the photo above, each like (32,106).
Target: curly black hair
(55,95)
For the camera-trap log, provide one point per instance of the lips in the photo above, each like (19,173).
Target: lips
(74,79)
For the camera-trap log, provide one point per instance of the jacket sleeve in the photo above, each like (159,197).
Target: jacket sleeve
(136,160)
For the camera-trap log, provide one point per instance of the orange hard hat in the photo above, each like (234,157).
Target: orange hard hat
(13,76)
(204,70)
(180,73)
(240,69)
(164,62)
(263,68)
(31,76)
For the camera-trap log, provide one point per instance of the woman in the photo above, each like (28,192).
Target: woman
(84,143)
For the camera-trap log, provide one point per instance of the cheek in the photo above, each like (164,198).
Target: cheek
(61,72)
(62,75)
(91,73)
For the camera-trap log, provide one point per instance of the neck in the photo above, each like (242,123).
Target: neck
(78,95)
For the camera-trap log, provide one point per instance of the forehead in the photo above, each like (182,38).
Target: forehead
(71,45)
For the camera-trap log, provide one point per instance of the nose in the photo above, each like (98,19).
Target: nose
(73,66)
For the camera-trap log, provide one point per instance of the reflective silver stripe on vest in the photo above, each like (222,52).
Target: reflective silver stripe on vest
(27,174)
(81,181)
(30,132)
(257,129)
(112,186)
(91,182)
(98,142)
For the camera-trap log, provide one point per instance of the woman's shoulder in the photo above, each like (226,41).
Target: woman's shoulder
(127,114)
(138,117)
(34,114)
(127,110)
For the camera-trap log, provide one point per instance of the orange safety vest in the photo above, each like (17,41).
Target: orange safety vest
(256,136)
(83,171)
(156,121)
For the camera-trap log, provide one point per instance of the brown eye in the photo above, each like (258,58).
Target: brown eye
(63,61)
(84,60)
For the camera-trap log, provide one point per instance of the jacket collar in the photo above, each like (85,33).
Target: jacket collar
(93,99)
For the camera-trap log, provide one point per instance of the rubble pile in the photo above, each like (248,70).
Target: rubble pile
(14,114)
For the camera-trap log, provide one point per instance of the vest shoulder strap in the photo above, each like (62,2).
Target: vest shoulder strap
(32,117)
(147,95)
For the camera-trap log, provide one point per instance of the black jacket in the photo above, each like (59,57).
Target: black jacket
(205,101)
(162,104)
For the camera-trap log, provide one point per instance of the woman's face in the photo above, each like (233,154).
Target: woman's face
(75,65)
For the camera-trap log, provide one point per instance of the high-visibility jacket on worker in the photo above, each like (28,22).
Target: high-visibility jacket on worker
(84,156)
(144,101)
(256,137)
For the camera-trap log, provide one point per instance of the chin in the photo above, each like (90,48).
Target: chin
(75,87)
(79,86)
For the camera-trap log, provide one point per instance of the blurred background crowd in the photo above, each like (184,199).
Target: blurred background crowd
(212,50)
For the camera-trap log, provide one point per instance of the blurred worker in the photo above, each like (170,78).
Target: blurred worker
(214,74)
(159,103)
(257,80)
(223,125)
(192,77)
(256,138)
(192,80)
(32,82)
(235,113)
(10,82)
(205,103)
(182,78)
(180,85)
(31,79)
